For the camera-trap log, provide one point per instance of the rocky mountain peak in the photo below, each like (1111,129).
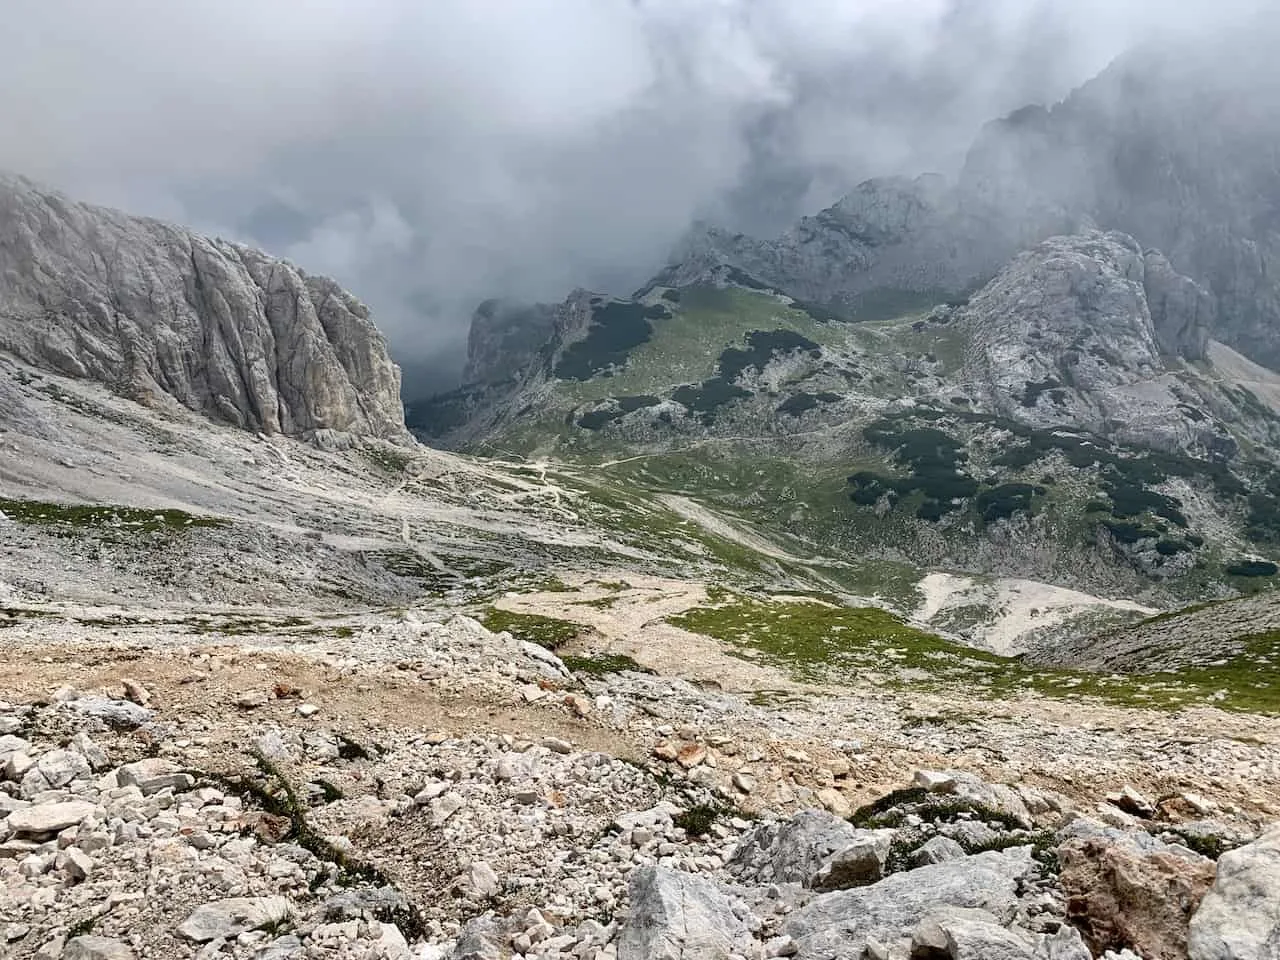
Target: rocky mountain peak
(163,314)
(1080,332)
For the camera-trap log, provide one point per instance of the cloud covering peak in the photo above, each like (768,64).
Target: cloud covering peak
(431,154)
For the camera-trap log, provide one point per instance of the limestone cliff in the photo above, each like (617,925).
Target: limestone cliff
(152,309)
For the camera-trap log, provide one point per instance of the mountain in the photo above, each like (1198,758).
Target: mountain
(641,698)
(1173,146)
(163,314)
(1071,422)
(1059,366)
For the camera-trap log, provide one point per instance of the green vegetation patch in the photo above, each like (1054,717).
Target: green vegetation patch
(1252,568)
(803,401)
(603,664)
(936,461)
(817,642)
(66,516)
(617,328)
(548,632)
(999,503)
(811,636)
(618,408)
(762,346)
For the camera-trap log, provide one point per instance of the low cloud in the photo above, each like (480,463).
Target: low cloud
(430,154)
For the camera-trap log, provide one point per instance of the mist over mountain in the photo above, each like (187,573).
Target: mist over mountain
(432,156)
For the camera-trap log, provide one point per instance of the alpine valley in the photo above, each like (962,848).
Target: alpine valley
(898,588)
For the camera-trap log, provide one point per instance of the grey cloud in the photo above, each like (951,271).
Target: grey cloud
(429,154)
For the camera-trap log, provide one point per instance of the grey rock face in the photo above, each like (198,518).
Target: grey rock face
(792,851)
(841,923)
(119,712)
(959,934)
(156,311)
(227,918)
(1065,336)
(46,818)
(677,916)
(504,336)
(889,236)
(1163,146)
(96,948)
(1239,918)
(937,850)
(860,863)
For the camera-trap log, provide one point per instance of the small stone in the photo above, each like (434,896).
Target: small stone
(933,781)
(136,692)
(153,775)
(75,864)
(252,700)
(60,767)
(445,807)
(96,948)
(17,766)
(94,754)
(691,755)
(666,751)
(835,801)
(306,710)
(228,918)
(40,818)
(117,713)
(556,745)
(937,850)
(484,882)
(1131,801)
(783,946)
(579,705)
(744,782)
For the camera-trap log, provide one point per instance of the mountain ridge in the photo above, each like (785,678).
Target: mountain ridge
(164,314)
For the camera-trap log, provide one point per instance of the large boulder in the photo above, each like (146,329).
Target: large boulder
(959,934)
(841,924)
(792,851)
(1239,918)
(678,916)
(1125,893)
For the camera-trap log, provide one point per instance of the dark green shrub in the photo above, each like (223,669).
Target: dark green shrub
(1253,568)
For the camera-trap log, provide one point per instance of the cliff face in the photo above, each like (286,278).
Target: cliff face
(151,309)
(1178,150)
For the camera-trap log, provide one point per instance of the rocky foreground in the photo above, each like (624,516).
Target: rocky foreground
(430,789)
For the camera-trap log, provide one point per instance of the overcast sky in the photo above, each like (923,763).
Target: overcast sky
(429,153)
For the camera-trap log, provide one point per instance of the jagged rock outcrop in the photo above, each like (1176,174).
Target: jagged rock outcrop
(154,310)
(888,241)
(1081,333)
(504,336)
(1175,146)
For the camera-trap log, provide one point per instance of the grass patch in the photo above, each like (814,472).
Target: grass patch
(602,664)
(548,632)
(819,643)
(80,516)
(698,820)
(272,791)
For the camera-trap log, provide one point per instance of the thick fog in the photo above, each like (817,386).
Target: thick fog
(429,153)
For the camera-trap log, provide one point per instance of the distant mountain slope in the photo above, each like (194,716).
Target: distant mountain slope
(156,311)
(1070,422)
(1167,146)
